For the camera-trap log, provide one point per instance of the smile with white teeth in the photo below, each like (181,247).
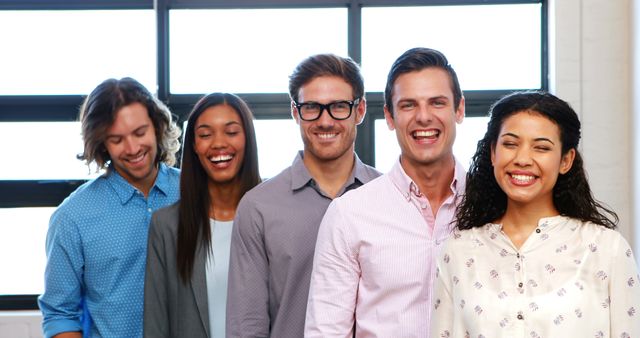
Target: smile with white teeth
(523,178)
(326,135)
(425,133)
(220,158)
(137,158)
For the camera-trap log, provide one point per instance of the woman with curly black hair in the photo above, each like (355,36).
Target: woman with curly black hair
(534,254)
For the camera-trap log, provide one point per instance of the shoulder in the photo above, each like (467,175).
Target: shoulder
(171,172)
(279,184)
(366,173)
(169,212)
(468,238)
(602,235)
(165,220)
(84,198)
(379,184)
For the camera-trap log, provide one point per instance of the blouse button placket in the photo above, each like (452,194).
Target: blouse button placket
(520,284)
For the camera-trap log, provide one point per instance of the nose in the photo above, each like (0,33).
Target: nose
(523,157)
(219,141)
(325,120)
(132,146)
(423,114)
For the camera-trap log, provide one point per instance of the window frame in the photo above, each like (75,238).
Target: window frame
(50,108)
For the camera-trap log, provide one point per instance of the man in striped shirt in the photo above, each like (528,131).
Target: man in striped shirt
(374,262)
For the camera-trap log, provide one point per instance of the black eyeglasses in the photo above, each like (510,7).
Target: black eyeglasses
(338,110)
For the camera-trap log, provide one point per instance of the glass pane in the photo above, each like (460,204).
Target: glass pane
(22,255)
(468,134)
(278,144)
(47,151)
(70,52)
(249,50)
(490,47)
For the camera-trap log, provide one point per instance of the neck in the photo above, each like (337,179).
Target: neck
(433,179)
(330,175)
(224,199)
(145,184)
(521,219)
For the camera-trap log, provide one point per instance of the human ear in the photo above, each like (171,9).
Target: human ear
(567,161)
(294,112)
(388,116)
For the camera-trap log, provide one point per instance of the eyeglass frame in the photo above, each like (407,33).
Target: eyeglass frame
(324,107)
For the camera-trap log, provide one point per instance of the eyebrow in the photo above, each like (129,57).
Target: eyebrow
(537,139)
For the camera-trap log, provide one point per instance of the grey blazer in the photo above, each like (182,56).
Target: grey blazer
(171,307)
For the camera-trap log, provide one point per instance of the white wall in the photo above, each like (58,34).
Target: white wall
(20,324)
(591,58)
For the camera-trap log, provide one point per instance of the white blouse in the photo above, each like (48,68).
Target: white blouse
(569,279)
(217,272)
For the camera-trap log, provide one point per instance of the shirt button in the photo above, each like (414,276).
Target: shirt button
(520,284)
(518,255)
(149,210)
(520,317)
(537,230)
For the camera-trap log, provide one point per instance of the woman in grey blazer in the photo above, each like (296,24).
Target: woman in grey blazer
(188,249)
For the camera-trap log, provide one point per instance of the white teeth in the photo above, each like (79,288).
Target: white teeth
(137,158)
(523,178)
(326,136)
(220,158)
(425,133)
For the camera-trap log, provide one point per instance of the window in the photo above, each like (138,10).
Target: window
(69,52)
(56,51)
(213,50)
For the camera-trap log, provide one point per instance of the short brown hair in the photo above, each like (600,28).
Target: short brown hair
(326,65)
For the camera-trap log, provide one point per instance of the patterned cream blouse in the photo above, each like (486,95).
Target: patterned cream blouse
(569,279)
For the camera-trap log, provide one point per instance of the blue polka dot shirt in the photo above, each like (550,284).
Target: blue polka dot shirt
(96,254)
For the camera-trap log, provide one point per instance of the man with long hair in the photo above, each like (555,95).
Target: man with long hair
(375,255)
(276,223)
(97,238)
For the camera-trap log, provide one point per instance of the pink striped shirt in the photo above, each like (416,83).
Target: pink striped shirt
(374,262)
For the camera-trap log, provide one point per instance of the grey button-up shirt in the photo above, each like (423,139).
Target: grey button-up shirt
(272,247)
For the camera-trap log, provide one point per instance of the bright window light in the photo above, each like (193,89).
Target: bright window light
(249,50)
(489,46)
(278,143)
(47,151)
(70,52)
(22,239)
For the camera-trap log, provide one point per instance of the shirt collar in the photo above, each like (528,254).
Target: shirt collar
(126,191)
(545,224)
(405,184)
(300,176)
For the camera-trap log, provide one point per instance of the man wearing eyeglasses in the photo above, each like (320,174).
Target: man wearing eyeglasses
(374,263)
(277,222)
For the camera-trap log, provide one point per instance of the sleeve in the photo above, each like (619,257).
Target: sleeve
(334,281)
(156,306)
(442,307)
(248,286)
(61,302)
(624,292)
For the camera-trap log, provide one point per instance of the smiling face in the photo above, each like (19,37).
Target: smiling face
(527,159)
(131,144)
(327,139)
(424,116)
(220,143)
